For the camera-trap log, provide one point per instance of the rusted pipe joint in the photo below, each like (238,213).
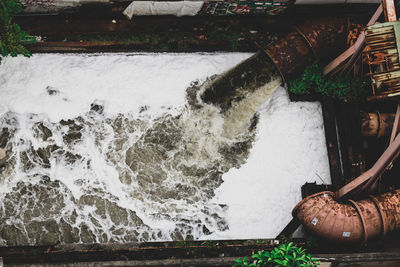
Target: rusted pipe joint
(316,40)
(350,221)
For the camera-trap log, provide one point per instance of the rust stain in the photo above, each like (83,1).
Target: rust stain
(350,221)
(314,40)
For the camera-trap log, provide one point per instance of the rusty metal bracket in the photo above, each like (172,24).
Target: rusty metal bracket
(390,10)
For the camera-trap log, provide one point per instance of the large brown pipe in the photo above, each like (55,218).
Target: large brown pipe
(377,124)
(350,221)
(316,40)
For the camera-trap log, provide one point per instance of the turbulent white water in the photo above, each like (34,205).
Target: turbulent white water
(105,148)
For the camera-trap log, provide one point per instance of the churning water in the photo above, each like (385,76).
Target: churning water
(84,169)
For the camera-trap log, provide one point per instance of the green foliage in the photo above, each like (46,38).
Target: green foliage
(284,255)
(12,38)
(337,87)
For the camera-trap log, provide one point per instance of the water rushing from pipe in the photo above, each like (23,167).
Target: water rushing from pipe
(123,177)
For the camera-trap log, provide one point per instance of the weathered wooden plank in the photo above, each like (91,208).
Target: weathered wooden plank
(381,263)
(202,262)
(135,251)
(62,26)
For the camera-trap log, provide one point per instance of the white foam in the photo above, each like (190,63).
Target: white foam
(123,82)
(289,151)
(289,148)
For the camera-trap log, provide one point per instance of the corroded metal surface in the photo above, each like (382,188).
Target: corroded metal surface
(326,37)
(382,56)
(315,40)
(377,124)
(325,217)
(290,55)
(350,221)
(352,52)
(390,10)
(390,205)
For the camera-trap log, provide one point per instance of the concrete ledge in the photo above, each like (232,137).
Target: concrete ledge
(148,253)
(228,261)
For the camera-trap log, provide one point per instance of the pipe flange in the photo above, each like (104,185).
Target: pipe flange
(362,220)
(382,214)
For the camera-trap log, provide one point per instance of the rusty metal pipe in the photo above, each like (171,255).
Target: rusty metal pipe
(320,39)
(376,124)
(350,221)
(316,40)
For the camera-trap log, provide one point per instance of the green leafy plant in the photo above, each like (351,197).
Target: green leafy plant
(337,87)
(284,255)
(12,38)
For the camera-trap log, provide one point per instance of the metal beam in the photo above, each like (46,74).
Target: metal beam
(390,10)
(358,44)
